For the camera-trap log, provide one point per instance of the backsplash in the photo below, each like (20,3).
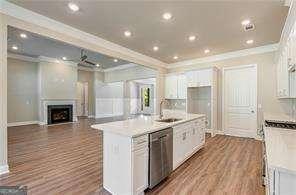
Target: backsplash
(175,104)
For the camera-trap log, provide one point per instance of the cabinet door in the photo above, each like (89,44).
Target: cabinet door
(192,80)
(171,83)
(140,170)
(182,87)
(285,74)
(195,141)
(205,77)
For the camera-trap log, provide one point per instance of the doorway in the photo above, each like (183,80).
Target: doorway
(239,102)
(82,99)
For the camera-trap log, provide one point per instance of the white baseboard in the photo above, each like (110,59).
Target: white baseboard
(41,123)
(91,116)
(22,123)
(4,169)
(218,132)
(107,115)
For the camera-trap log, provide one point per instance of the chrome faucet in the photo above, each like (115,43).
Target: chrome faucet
(160,108)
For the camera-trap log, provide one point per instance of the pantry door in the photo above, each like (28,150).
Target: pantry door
(240,101)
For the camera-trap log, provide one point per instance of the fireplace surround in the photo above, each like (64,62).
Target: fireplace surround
(59,114)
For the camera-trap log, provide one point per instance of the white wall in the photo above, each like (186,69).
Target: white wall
(22,93)
(133,73)
(3,96)
(109,99)
(57,80)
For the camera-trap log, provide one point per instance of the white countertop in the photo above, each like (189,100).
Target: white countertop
(143,124)
(281,148)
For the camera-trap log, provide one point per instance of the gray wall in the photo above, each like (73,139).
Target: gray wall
(22,97)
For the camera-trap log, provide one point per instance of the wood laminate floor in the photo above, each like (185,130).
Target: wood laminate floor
(67,159)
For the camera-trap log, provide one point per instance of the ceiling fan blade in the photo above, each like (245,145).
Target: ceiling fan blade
(89,62)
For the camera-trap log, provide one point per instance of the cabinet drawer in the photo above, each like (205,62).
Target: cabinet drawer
(181,128)
(140,142)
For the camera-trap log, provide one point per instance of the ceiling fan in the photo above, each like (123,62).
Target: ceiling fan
(84,60)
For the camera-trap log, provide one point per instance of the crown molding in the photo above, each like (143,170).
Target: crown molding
(106,47)
(22,57)
(225,56)
(121,67)
(54,60)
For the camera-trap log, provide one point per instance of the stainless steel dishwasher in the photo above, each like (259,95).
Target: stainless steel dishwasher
(160,155)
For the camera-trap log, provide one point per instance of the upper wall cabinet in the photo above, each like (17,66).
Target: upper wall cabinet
(199,78)
(286,74)
(175,87)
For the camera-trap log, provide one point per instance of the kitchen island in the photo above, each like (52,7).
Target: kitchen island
(126,148)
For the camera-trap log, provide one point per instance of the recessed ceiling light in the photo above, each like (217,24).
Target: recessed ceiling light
(64,58)
(23,35)
(127,33)
(246,22)
(155,48)
(192,38)
(207,51)
(167,16)
(73,7)
(176,57)
(14,47)
(115,60)
(97,65)
(251,41)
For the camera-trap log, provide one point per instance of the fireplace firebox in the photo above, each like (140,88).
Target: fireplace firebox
(59,114)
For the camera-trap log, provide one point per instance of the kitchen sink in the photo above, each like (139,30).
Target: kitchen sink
(168,120)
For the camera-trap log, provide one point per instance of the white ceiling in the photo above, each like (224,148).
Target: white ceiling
(35,45)
(217,24)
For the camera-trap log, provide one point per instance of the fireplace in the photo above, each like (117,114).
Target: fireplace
(59,114)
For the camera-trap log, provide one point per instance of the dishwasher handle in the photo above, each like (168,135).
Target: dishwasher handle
(158,138)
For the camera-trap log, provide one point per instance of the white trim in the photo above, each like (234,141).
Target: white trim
(225,56)
(90,69)
(289,24)
(223,94)
(121,67)
(107,47)
(91,116)
(288,3)
(22,57)
(4,169)
(54,60)
(22,123)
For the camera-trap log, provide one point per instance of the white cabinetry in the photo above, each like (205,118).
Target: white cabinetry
(280,182)
(286,64)
(140,165)
(125,164)
(182,87)
(175,87)
(188,138)
(202,95)
(171,89)
(199,78)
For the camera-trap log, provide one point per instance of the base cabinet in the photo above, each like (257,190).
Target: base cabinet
(140,170)
(188,138)
(280,182)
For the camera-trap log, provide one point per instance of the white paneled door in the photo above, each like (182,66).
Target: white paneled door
(82,99)
(240,101)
